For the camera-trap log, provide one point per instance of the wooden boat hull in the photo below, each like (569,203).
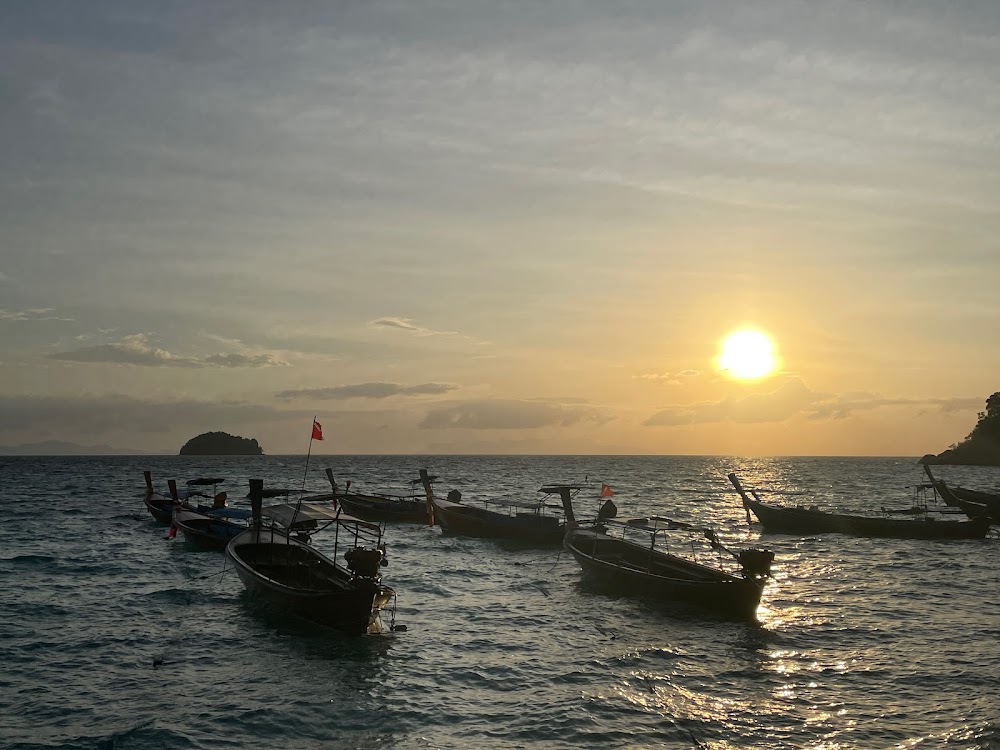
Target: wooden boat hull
(807,521)
(469,520)
(205,532)
(375,508)
(301,581)
(628,568)
(160,508)
(972,502)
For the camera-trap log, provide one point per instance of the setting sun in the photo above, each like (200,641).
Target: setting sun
(746,354)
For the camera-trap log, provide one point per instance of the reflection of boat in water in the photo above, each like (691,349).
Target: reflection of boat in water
(973,503)
(526,521)
(277,563)
(380,506)
(799,520)
(610,553)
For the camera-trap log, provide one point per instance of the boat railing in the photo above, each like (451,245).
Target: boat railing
(701,544)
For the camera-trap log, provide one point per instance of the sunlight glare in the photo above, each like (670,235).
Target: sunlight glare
(746,354)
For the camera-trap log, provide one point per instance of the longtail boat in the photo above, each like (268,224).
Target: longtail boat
(611,554)
(811,520)
(278,564)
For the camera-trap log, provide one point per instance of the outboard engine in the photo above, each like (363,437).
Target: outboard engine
(608,510)
(364,563)
(756,563)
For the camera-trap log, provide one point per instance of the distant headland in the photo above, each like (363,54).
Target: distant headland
(981,447)
(221,444)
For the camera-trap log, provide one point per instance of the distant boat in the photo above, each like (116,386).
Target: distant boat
(277,563)
(799,520)
(611,554)
(161,507)
(972,502)
(523,521)
(379,506)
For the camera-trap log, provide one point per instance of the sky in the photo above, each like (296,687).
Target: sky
(499,227)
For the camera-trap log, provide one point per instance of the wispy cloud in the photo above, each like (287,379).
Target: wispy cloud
(72,417)
(510,414)
(669,378)
(32,313)
(368,390)
(794,398)
(136,350)
(407,324)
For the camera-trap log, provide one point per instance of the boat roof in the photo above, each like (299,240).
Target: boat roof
(659,523)
(273,492)
(286,512)
(239,513)
(531,504)
(203,481)
(553,489)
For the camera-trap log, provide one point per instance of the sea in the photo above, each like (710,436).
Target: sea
(113,636)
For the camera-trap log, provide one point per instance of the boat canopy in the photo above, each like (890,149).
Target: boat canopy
(553,489)
(659,523)
(241,514)
(288,513)
(275,492)
(527,504)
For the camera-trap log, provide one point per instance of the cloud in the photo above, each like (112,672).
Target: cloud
(244,360)
(793,398)
(667,378)
(65,417)
(368,390)
(407,324)
(136,350)
(32,313)
(509,414)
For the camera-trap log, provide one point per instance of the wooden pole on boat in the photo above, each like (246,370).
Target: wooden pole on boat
(148,476)
(256,500)
(934,484)
(739,488)
(333,485)
(425,480)
(256,506)
(172,484)
(566,495)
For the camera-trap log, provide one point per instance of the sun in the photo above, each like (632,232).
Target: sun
(746,354)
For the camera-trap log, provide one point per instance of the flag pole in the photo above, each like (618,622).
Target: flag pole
(312,432)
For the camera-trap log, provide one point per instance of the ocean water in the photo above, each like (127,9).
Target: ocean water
(113,637)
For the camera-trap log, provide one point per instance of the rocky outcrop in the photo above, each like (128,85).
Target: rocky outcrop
(981,447)
(221,444)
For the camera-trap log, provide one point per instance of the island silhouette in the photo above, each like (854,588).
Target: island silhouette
(981,447)
(221,444)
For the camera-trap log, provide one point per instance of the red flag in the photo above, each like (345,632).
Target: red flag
(317,430)
(606,490)
(172,532)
